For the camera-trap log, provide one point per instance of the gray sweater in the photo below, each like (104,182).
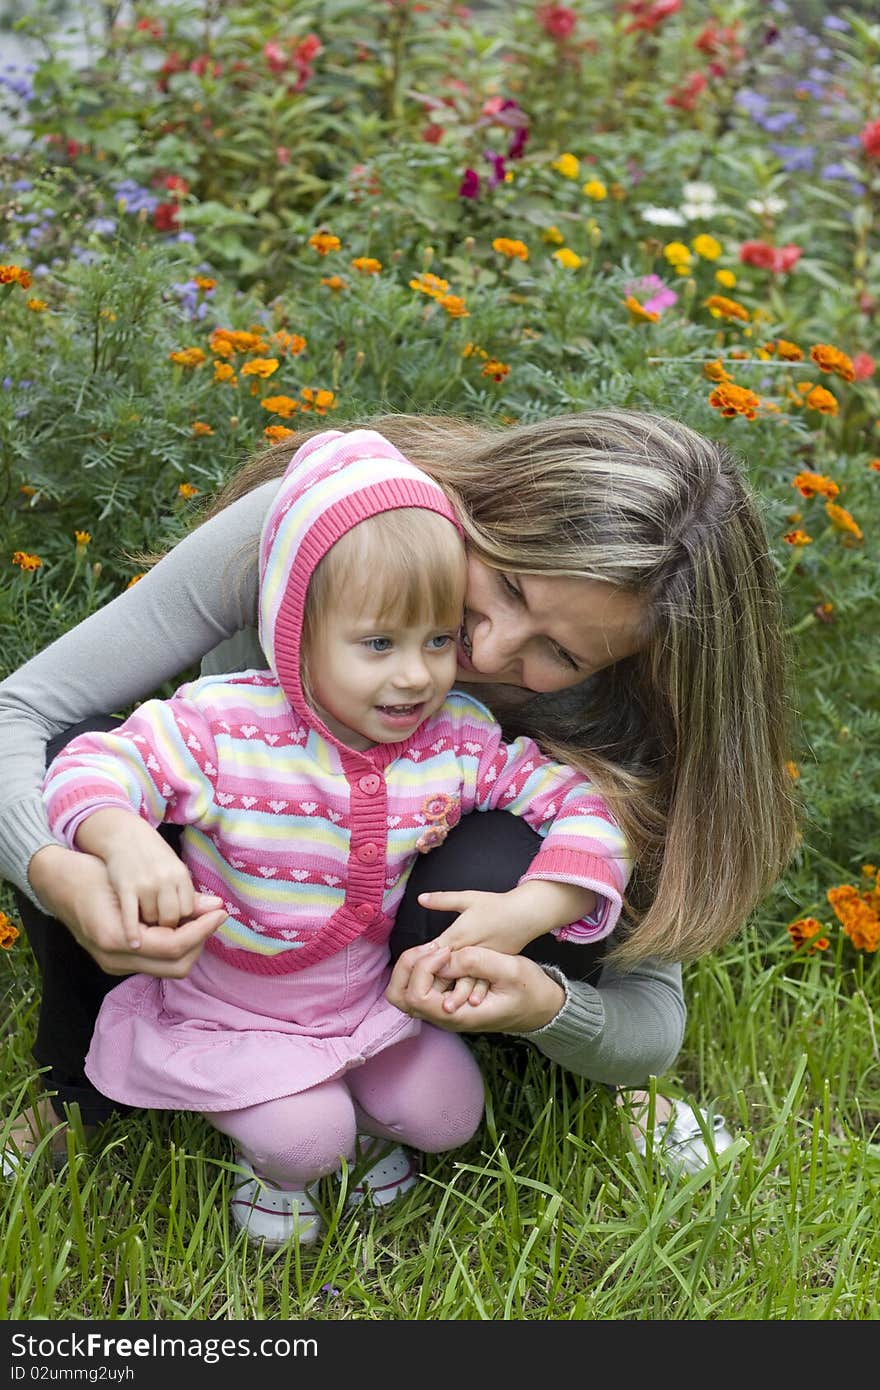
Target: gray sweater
(198,605)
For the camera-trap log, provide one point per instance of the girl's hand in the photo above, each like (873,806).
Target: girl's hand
(152,883)
(75,888)
(521,996)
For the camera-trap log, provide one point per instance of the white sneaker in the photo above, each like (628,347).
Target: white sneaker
(680,1142)
(387,1179)
(272,1214)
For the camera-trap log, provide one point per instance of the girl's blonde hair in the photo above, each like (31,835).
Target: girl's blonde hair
(404,567)
(687,740)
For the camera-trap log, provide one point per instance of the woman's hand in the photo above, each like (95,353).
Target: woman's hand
(75,888)
(521,996)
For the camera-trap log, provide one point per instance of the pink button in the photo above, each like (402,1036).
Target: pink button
(367,853)
(370,784)
(365,912)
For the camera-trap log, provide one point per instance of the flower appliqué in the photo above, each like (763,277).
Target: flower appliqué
(439,811)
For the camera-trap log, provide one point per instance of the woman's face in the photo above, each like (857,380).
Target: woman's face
(543,632)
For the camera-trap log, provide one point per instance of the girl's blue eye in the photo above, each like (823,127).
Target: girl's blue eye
(378,644)
(439,642)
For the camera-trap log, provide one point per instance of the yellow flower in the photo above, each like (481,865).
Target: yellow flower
(639,313)
(552,236)
(187,490)
(568,165)
(514,250)
(260,366)
(322,242)
(201,427)
(721,308)
(821,400)
(495,369)
(280,405)
(565,256)
(26,561)
(431,285)
(367,265)
(188,357)
(223,371)
(831,359)
(677,254)
(135,579)
(37,306)
(454,306)
(8,932)
(320,401)
(595,189)
(726,279)
(277,433)
(706,246)
(842,521)
(82,539)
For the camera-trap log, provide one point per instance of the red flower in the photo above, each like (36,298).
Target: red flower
(556,20)
(470,184)
(684,96)
(432,133)
(204,64)
(165,217)
(173,183)
(648,16)
(173,63)
(778,259)
(718,41)
(153,27)
(307,48)
(863,366)
(870,138)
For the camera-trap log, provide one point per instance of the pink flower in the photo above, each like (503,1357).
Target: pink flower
(556,20)
(470,184)
(663,298)
(870,138)
(778,259)
(863,366)
(275,57)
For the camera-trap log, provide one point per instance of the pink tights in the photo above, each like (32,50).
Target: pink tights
(426,1092)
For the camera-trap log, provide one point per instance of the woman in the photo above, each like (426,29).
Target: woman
(621,608)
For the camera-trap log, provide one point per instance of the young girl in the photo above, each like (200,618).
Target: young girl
(307,792)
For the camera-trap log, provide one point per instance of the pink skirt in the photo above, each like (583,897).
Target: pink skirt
(225,1039)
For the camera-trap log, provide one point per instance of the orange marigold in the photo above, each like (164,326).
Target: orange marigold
(789,352)
(431,285)
(808,930)
(714,371)
(323,242)
(82,538)
(454,306)
(334,283)
(225,342)
(201,427)
(821,400)
(187,490)
(280,405)
(731,399)
(318,400)
(639,313)
(841,520)
(831,359)
(37,306)
(205,283)
(188,357)
(813,484)
(367,265)
(495,369)
(797,538)
(875,464)
(278,433)
(293,343)
(514,250)
(793,770)
(858,918)
(135,579)
(15,275)
(26,561)
(8,932)
(224,371)
(720,307)
(260,366)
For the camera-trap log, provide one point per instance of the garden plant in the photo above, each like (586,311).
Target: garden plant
(223,220)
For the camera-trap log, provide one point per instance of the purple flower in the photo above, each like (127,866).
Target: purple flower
(778,122)
(187,237)
(102,226)
(21,185)
(518,143)
(498,169)
(833,21)
(470,184)
(796,159)
(136,199)
(753,103)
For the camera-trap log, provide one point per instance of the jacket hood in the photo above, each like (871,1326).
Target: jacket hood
(334,481)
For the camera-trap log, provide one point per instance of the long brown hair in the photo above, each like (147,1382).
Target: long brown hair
(688,739)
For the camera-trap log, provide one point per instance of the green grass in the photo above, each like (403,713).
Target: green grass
(548,1214)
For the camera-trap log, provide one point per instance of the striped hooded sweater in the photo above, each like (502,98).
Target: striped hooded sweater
(309,843)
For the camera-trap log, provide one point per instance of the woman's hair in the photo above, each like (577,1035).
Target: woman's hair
(404,567)
(688,739)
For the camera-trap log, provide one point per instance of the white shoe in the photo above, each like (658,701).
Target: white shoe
(387,1179)
(272,1214)
(680,1141)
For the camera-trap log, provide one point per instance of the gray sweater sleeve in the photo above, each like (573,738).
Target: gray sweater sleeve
(621,1032)
(198,595)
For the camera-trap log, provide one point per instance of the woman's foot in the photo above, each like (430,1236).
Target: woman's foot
(685,1138)
(29,1129)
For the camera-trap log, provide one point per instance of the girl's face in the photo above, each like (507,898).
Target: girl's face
(543,632)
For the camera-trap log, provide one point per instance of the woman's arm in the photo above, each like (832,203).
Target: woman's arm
(627,1028)
(170,619)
